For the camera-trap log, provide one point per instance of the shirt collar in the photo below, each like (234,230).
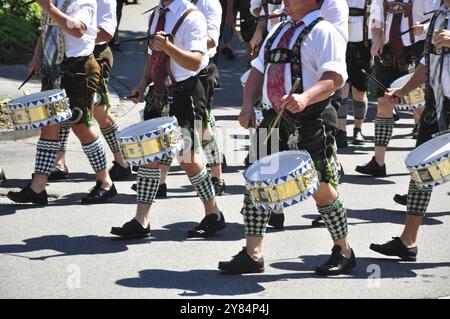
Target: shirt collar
(309,18)
(173,6)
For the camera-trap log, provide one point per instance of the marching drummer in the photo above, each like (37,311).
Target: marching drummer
(69,51)
(173,65)
(319,62)
(434,70)
(395,55)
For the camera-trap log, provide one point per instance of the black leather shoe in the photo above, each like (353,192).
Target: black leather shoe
(58,174)
(358,137)
(131,230)
(219,186)
(276,220)
(400,199)
(337,264)
(118,172)
(242,263)
(341,139)
(208,226)
(372,168)
(27,195)
(318,222)
(99,195)
(395,247)
(2,176)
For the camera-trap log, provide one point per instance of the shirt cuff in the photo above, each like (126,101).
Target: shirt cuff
(334,67)
(110,29)
(257,64)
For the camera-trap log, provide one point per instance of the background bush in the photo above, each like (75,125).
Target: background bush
(19,30)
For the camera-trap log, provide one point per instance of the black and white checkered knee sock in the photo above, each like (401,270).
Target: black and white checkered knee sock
(64,132)
(212,152)
(334,216)
(147,184)
(418,199)
(166,161)
(255,219)
(96,155)
(203,185)
(109,134)
(383,131)
(46,151)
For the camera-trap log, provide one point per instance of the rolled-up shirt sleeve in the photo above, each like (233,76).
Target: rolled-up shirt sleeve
(213,20)
(106,18)
(255,4)
(195,37)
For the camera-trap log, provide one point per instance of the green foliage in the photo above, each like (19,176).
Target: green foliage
(19,30)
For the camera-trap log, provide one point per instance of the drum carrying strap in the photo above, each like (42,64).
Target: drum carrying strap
(400,7)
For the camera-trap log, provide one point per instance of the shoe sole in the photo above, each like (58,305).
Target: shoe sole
(404,258)
(208,235)
(28,202)
(121,237)
(371,174)
(237,272)
(104,200)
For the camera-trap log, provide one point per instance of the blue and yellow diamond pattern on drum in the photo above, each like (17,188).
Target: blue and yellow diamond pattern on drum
(431,174)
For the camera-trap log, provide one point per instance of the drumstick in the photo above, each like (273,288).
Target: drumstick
(278,118)
(147,37)
(264,17)
(385,89)
(27,79)
(151,9)
(405,32)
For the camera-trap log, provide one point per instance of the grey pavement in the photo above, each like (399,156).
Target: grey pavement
(65,250)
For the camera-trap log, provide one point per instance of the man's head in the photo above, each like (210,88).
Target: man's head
(297,9)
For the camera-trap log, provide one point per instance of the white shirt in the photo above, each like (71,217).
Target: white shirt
(356,24)
(272,8)
(106,16)
(212,10)
(336,12)
(191,36)
(445,73)
(323,50)
(420,7)
(86,12)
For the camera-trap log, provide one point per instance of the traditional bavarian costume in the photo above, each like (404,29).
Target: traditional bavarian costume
(305,50)
(267,7)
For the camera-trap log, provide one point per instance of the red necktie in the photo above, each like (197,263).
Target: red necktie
(395,37)
(157,67)
(276,71)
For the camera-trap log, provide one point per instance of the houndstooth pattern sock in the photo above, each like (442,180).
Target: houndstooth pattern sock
(166,161)
(211,147)
(203,185)
(255,220)
(109,134)
(147,184)
(46,151)
(64,132)
(418,199)
(383,131)
(96,155)
(334,216)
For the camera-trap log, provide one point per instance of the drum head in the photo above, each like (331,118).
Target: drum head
(35,96)
(401,81)
(276,165)
(430,151)
(244,77)
(145,127)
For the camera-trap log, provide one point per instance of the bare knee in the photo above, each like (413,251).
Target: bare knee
(384,109)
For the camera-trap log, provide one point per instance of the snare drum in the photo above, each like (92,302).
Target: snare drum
(414,100)
(39,109)
(150,141)
(281,179)
(429,163)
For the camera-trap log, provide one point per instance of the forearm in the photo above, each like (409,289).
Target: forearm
(324,88)
(211,44)
(261,27)
(230,8)
(38,52)
(188,60)
(145,78)
(417,80)
(253,88)
(69,25)
(103,36)
(377,34)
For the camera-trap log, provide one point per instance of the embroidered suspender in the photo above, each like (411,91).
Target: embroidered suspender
(400,7)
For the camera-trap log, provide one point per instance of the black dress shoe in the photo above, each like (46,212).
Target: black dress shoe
(134,168)
(118,172)
(58,174)
(358,137)
(131,230)
(27,195)
(276,220)
(208,226)
(372,168)
(341,139)
(2,176)
(337,264)
(219,186)
(395,247)
(318,222)
(99,195)
(400,199)
(242,263)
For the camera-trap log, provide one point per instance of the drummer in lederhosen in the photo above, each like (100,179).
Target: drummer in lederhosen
(212,10)
(80,78)
(395,55)
(106,25)
(319,53)
(358,57)
(187,55)
(434,70)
